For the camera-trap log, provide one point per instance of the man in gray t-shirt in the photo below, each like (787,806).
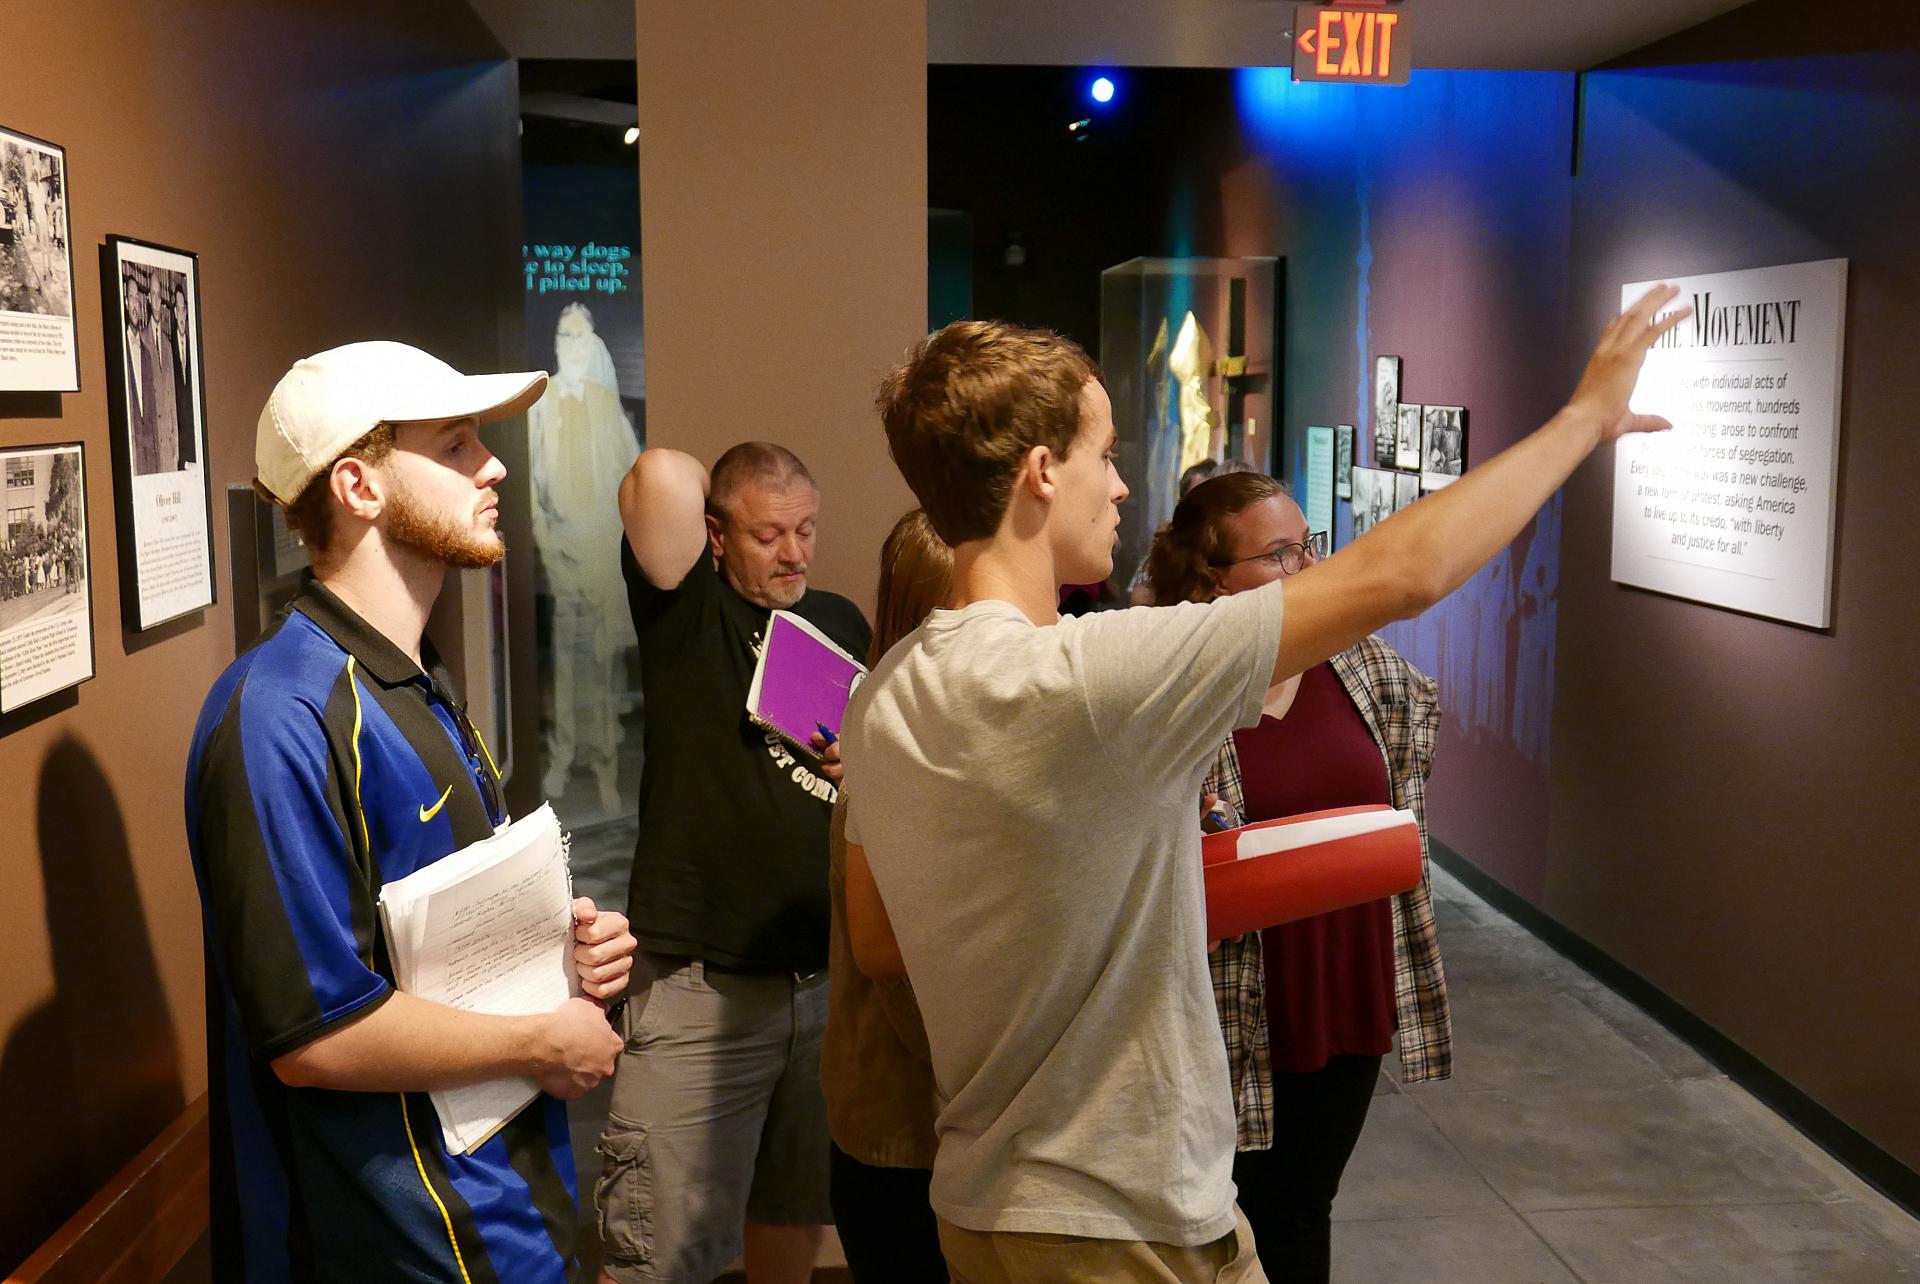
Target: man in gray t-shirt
(1022,796)
(1069,875)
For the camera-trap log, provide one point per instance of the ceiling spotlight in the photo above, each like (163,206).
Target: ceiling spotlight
(1101,90)
(633,135)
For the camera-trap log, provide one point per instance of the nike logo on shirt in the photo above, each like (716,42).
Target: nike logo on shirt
(428,813)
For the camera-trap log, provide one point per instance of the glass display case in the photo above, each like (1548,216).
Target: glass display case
(1190,350)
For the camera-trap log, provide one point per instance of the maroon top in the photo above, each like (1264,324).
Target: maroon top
(1330,977)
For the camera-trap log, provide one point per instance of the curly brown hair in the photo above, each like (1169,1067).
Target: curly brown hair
(1186,549)
(967,405)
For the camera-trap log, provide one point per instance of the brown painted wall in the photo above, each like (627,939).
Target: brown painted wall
(783,208)
(345,170)
(1729,794)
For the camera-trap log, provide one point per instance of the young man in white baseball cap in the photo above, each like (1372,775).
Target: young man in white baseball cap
(328,760)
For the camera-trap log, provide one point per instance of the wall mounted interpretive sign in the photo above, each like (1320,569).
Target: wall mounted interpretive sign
(46,602)
(1316,499)
(39,344)
(1735,506)
(156,399)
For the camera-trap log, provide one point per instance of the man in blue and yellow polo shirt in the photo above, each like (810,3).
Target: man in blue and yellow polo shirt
(329,760)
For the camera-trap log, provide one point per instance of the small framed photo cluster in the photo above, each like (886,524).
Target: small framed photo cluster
(156,396)
(1416,448)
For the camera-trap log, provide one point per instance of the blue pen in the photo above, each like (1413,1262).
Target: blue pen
(827,734)
(1218,817)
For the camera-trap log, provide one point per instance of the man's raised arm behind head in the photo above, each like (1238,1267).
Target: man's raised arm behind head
(663,505)
(1415,558)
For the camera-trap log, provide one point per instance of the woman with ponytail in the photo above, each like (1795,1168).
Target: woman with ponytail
(1310,1009)
(875,1068)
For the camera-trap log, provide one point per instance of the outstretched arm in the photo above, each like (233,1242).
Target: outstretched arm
(663,505)
(1416,557)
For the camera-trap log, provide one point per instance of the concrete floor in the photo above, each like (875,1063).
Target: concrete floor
(1577,1141)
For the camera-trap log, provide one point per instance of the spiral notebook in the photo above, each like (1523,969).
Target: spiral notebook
(801,682)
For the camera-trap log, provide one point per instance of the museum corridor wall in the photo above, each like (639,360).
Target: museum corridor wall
(1707,798)
(1728,792)
(783,207)
(345,170)
(1432,224)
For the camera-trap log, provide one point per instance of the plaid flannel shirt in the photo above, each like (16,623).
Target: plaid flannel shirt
(1401,708)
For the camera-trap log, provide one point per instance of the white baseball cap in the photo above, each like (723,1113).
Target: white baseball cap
(334,398)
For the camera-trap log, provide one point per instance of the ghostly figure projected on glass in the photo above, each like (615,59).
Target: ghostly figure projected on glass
(582,442)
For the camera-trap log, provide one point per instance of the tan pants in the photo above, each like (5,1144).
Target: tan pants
(1004,1257)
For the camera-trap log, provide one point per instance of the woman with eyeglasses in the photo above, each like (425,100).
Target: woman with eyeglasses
(1309,1009)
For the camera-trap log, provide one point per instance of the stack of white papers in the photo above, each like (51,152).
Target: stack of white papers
(487,929)
(1265,840)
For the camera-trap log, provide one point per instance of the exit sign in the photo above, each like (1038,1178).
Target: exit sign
(1362,44)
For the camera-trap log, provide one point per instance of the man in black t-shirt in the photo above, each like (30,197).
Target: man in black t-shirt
(717,1118)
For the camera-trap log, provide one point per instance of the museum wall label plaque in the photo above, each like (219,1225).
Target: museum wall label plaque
(1735,506)
(1316,499)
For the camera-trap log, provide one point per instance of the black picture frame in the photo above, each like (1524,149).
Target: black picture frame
(1407,438)
(1386,410)
(1443,446)
(29,610)
(162,476)
(36,248)
(1407,450)
(1373,498)
(1406,489)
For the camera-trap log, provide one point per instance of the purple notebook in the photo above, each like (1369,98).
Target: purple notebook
(803,678)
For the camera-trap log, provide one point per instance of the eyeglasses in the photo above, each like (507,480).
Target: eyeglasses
(1291,558)
(485,774)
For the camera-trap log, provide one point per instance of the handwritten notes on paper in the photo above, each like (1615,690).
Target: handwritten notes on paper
(487,929)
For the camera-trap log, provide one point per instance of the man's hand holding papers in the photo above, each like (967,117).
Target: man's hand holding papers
(495,930)
(575,1049)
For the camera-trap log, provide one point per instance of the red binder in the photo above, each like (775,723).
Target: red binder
(1327,860)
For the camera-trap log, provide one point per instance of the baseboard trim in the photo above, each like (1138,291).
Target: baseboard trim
(134,1231)
(1866,1160)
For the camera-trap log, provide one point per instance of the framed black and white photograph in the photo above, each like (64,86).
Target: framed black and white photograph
(39,343)
(1443,450)
(46,610)
(1373,498)
(1406,453)
(157,401)
(1406,489)
(1343,461)
(1386,410)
